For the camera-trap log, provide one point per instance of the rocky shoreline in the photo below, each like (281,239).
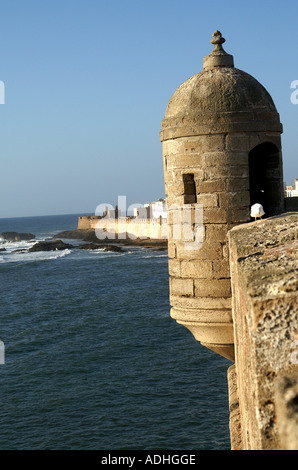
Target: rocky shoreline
(60,245)
(90,236)
(91,242)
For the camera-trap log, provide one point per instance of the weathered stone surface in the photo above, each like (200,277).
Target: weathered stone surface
(286,398)
(203,303)
(183,287)
(235,418)
(264,272)
(212,287)
(208,199)
(204,97)
(208,251)
(202,315)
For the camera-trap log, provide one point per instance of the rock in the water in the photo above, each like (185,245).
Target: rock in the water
(110,248)
(85,235)
(16,237)
(94,246)
(88,246)
(50,246)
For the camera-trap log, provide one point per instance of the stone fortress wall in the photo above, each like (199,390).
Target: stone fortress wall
(125,227)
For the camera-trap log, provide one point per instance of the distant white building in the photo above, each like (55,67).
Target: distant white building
(157,209)
(153,210)
(292,191)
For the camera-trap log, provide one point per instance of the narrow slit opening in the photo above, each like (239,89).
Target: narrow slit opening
(190,190)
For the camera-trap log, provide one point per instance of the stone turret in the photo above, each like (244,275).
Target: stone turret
(222,151)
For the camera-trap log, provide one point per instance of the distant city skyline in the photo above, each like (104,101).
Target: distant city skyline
(87,84)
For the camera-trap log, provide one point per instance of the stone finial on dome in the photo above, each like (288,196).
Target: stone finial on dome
(217,39)
(218,57)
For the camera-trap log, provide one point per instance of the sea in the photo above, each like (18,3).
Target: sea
(93,360)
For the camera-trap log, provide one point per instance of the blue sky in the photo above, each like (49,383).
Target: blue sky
(87,83)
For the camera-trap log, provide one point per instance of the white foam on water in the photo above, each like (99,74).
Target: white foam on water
(25,257)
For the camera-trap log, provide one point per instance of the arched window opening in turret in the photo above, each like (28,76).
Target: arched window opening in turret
(265,178)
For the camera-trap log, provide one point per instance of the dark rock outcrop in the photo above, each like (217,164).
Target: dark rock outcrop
(50,246)
(53,245)
(16,237)
(90,236)
(78,234)
(94,246)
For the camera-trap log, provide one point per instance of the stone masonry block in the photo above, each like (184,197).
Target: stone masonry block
(208,251)
(240,171)
(237,184)
(184,161)
(183,232)
(174,268)
(216,159)
(239,215)
(179,214)
(171,249)
(176,188)
(208,200)
(205,143)
(173,147)
(221,303)
(214,215)
(196,269)
(234,199)
(238,142)
(212,287)
(211,186)
(202,315)
(216,233)
(173,201)
(221,269)
(182,287)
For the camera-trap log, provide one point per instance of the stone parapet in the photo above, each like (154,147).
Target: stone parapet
(264,278)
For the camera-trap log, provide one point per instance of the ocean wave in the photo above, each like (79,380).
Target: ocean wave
(10,247)
(26,257)
(107,254)
(154,256)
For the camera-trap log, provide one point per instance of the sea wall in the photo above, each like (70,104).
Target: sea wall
(125,227)
(263,382)
(86,222)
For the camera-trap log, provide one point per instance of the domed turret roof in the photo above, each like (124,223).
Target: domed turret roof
(220,89)
(219,93)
